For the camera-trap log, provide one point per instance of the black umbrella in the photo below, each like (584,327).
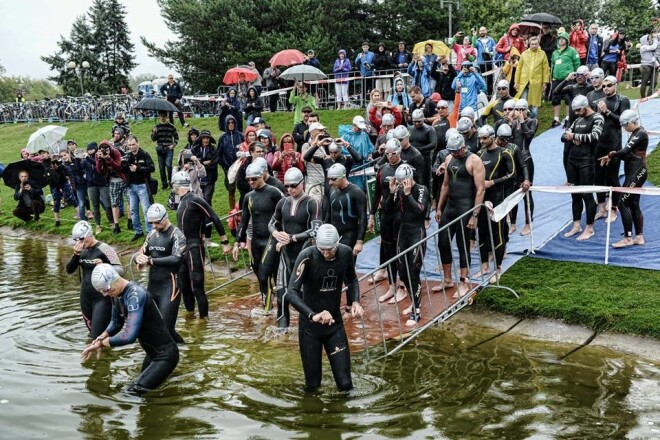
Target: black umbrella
(541,18)
(156,104)
(36,170)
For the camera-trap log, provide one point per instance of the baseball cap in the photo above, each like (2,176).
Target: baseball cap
(258,120)
(359,121)
(316,126)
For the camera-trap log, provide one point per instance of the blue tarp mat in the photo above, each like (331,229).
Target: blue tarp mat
(553,215)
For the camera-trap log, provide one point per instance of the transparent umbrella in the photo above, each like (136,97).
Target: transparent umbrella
(48,138)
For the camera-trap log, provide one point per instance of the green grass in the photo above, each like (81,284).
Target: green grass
(600,297)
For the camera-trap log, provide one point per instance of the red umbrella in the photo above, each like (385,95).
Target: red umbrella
(287,57)
(231,76)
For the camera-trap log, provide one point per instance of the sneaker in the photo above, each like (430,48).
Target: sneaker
(137,236)
(57,223)
(116,230)
(186,125)
(129,224)
(98,229)
(555,123)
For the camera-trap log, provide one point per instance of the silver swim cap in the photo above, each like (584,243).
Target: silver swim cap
(181,178)
(403,172)
(103,276)
(327,237)
(486,130)
(336,171)
(468,112)
(293,176)
(388,119)
(156,213)
(261,163)
(81,230)
(628,116)
(455,141)
(393,146)
(464,124)
(401,132)
(253,170)
(504,131)
(579,102)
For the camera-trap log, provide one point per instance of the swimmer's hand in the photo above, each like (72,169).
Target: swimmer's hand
(356,310)
(323,318)
(94,347)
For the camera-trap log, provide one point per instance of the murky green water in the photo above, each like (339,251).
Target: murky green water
(234,381)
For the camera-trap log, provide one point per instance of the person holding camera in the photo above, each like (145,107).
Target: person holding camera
(578,40)
(166,138)
(138,166)
(30,198)
(108,164)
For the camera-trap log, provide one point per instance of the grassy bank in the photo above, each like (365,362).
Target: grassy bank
(618,299)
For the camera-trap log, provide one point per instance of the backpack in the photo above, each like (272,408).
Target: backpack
(52,176)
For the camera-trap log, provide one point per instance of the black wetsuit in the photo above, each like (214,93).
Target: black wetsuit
(191,217)
(348,213)
(425,140)
(581,166)
(414,158)
(610,140)
(275,182)
(259,206)
(142,321)
(461,195)
(95,307)
(499,167)
(633,155)
(166,250)
(594,96)
(570,90)
(315,286)
(389,222)
(413,210)
(472,142)
(299,218)
(525,132)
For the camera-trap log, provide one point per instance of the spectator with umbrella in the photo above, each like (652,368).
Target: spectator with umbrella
(173,92)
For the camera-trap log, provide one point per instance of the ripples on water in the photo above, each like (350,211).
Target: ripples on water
(236,379)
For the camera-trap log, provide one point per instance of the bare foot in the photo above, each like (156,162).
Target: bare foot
(407,311)
(600,214)
(495,278)
(624,242)
(573,231)
(512,228)
(388,295)
(586,235)
(462,290)
(526,230)
(442,286)
(378,276)
(412,321)
(611,218)
(400,296)
(639,240)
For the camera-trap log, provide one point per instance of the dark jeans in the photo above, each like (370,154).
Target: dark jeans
(165,166)
(649,81)
(99,196)
(25,213)
(180,113)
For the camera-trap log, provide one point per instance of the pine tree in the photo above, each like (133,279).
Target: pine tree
(101,38)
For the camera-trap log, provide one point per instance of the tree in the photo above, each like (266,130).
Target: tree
(635,17)
(495,15)
(566,11)
(33,89)
(403,20)
(101,38)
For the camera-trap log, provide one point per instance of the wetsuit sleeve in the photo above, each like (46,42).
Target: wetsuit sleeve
(73,263)
(417,200)
(624,104)
(351,282)
(309,155)
(529,128)
(178,248)
(509,168)
(294,291)
(378,193)
(521,167)
(637,142)
(390,203)
(210,213)
(113,325)
(134,301)
(357,157)
(241,236)
(315,221)
(561,88)
(113,258)
(594,135)
(432,142)
(275,223)
(361,206)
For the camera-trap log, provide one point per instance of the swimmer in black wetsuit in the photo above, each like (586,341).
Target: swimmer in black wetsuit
(191,217)
(315,291)
(258,207)
(499,169)
(389,221)
(135,316)
(87,254)
(294,222)
(462,189)
(410,154)
(583,136)
(633,155)
(162,253)
(412,201)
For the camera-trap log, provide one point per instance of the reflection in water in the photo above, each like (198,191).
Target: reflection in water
(235,380)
